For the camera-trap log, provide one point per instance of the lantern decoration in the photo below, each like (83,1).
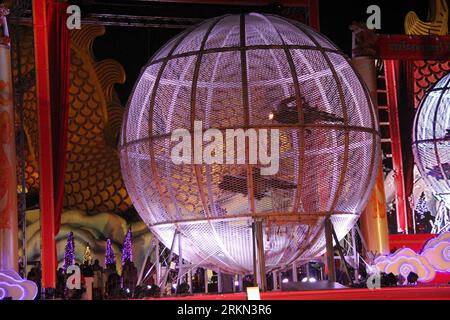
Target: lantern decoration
(87,257)
(238,73)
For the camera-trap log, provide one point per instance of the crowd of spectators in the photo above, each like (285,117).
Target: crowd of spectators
(98,283)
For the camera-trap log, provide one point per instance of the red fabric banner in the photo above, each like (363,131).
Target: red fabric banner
(46,203)
(59,63)
(399,86)
(406,113)
(52,54)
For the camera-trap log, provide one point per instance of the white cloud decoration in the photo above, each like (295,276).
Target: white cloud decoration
(12,285)
(405,260)
(437,252)
(434,257)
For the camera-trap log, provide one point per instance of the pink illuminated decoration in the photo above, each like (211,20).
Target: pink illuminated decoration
(437,252)
(12,285)
(404,261)
(434,257)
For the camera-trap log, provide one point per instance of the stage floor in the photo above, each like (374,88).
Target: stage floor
(398,293)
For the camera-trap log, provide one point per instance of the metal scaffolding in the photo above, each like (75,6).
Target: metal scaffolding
(21,84)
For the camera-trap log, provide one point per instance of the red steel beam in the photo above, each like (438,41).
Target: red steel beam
(391,71)
(314,20)
(312,5)
(48,248)
(284,3)
(405,47)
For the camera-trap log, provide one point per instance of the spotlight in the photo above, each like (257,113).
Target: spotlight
(174,286)
(285,280)
(128,290)
(149,287)
(305,279)
(271,115)
(312,280)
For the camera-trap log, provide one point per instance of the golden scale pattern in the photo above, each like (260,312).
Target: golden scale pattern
(30,114)
(426,74)
(93,180)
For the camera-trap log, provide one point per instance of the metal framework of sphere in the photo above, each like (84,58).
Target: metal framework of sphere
(250,71)
(431,138)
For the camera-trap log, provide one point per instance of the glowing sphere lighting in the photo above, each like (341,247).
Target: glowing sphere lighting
(258,72)
(431,138)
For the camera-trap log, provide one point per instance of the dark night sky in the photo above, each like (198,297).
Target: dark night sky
(133,47)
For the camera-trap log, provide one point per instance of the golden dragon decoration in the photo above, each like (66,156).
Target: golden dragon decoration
(93,181)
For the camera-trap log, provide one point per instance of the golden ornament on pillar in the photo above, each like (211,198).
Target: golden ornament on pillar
(438,24)
(373,220)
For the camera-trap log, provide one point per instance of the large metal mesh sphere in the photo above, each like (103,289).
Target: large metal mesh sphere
(250,71)
(431,138)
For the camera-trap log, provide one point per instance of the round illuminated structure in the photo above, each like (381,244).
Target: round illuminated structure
(431,138)
(257,72)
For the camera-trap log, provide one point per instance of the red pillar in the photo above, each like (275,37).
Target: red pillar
(391,72)
(48,248)
(8,183)
(314,20)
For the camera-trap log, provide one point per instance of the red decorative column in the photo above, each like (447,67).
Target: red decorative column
(48,251)
(8,184)
(391,72)
(373,220)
